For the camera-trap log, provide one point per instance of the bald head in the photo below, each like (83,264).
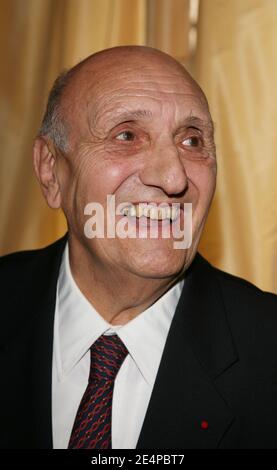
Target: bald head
(118,58)
(115,64)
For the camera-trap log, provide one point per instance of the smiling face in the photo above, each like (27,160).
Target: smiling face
(140,130)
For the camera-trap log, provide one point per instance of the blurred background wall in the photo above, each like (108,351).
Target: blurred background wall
(230,48)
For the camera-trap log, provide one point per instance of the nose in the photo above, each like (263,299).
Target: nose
(164,169)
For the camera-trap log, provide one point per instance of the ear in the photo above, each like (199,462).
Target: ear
(44,160)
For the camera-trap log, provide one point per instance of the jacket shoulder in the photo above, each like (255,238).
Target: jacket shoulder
(245,290)
(248,307)
(231,283)
(19,264)
(251,314)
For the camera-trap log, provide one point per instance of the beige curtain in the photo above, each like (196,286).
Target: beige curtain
(236,64)
(39,38)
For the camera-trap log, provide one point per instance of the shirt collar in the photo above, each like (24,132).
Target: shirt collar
(78,325)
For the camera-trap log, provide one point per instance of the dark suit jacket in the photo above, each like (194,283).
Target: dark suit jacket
(219,364)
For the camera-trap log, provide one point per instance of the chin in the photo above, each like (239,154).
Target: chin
(159,265)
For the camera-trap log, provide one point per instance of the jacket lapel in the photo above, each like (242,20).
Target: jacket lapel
(43,346)
(199,348)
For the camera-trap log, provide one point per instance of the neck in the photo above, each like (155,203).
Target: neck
(102,286)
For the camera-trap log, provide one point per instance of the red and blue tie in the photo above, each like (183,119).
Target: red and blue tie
(92,426)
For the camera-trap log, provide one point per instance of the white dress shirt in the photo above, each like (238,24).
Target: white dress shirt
(77,326)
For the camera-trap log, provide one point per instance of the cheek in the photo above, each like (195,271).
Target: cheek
(203,179)
(112,176)
(102,176)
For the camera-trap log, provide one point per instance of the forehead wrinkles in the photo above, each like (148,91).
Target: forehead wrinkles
(136,73)
(148,97)
(146,82)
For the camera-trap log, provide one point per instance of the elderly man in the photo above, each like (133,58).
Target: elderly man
(131,342)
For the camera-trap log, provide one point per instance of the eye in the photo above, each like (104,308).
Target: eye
(125,136)
(193,141)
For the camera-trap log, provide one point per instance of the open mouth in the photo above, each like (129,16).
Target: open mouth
(151,212)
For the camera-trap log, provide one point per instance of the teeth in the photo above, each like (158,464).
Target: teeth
(145,211)
(175,211)
(154,213)
(125,211)
(139,211)
(133,211)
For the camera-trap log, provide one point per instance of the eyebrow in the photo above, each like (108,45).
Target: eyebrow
(131,115)
(194,121)
(190,121)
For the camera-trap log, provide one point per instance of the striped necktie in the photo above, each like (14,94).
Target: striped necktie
(92,426)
